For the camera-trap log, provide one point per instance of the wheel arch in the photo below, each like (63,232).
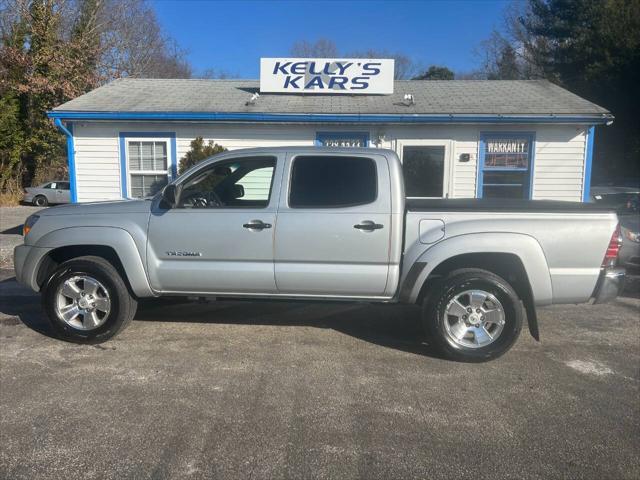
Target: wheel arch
(113,244)
(517,258)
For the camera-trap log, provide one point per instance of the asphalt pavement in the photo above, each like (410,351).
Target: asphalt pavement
(243,390)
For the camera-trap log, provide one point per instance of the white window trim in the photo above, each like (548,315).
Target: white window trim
(447,181)
(129,172)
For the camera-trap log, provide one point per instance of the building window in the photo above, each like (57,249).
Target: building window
(505,165)
(332,182)
(148,166)
(342,139)
(423,170)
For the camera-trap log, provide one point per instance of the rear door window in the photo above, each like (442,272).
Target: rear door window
(325,181)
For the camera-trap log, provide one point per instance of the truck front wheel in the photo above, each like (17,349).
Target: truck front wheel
(87,300)
(472,315)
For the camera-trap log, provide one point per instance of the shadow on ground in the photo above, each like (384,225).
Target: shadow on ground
(17,230)
(391,326)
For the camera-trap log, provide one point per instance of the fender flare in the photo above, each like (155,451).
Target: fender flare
(525,247)
(116,238)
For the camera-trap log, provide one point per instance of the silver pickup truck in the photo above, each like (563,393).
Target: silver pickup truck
(321,223)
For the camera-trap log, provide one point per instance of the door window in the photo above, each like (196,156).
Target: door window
(148,167)
(505,165)
(332,182)
(237,183)
(423,170)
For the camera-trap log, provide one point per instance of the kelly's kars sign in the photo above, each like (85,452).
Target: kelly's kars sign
(326,75)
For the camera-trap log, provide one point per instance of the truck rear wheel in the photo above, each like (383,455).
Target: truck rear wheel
(473,315)
(87,300)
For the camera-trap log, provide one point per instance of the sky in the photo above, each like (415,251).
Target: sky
(232,36)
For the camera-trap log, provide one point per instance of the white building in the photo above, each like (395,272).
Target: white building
(459,138)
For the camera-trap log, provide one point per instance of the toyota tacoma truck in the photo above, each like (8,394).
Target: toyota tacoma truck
(321,223)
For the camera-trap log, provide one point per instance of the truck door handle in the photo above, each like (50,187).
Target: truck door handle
(368,226)
(256,225)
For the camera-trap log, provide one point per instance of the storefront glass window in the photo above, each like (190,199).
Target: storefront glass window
(505,165)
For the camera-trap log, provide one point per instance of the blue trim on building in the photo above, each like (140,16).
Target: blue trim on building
(328,118)
(481,155)
(71,157)
(588,164)
(322,136)
(123,154)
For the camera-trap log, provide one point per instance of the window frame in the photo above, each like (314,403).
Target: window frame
(482,169)
(295,158)
(169,138)
(221,163)
(447,180)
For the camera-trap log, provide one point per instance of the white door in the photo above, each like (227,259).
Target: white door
(426,165)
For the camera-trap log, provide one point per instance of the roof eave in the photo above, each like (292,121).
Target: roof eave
(591,119)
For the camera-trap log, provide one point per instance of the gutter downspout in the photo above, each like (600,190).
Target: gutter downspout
(70,157)
(588,165)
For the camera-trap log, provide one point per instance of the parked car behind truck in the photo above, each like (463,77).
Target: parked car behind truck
(626,202)
(322,224)
(48,193)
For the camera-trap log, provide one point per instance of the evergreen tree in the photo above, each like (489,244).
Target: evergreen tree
(199,151)
(435,72)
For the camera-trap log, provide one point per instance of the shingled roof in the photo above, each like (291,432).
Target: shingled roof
(452,97)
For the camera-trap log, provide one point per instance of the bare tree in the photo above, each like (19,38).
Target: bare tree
(321,48)
(509,51)
(405,67)
(134,45)
(212,73)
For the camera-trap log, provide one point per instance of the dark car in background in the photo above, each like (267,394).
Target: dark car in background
(51,192)
(626,201)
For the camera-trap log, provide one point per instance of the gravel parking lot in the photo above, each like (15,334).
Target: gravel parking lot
(235,389)
(308,390)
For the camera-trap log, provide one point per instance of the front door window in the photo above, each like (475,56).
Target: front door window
(423,167)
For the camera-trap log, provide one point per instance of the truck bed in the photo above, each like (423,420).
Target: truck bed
(501,205)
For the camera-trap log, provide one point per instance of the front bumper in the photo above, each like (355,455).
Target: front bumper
(610,284)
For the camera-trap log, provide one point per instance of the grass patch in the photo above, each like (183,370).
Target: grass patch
(10,199)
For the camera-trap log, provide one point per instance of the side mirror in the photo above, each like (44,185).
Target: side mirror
(237,191)
(169,194)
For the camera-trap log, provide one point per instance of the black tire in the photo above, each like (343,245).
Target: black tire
(40,201)
(458,281)
(123,305)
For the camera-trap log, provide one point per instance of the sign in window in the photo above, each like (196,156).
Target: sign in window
(342,139)
(505,165)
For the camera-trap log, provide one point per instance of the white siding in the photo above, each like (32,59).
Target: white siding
(558,162)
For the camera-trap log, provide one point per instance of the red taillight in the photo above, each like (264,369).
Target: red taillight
(611,256)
